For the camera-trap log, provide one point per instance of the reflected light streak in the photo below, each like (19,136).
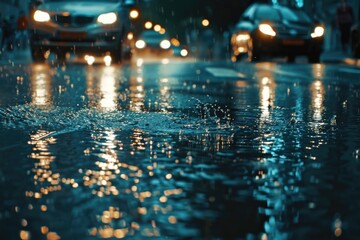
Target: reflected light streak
(45,179)
(318,92)
(107,60)
(137,95)
(266,89)
(108,90)
(89,59)
(165,61)
(165,98)
(41,86)
(139,62)
(318,71)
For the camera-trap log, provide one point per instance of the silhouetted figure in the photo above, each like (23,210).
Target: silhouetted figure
(344,20)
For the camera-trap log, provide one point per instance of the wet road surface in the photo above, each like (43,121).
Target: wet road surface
(179,150)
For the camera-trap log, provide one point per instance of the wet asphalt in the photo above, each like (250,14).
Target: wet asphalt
(172,148)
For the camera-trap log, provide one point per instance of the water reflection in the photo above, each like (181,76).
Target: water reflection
(137,94)
(141,201)
(41,85)
(318,92)
(46,181)
(267,96)
(102,88)
(318,96)
(165,94)
(239,163)
(108,89)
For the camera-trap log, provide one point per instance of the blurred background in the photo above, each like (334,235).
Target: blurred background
(191,20)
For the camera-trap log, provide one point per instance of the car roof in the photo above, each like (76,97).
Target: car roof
(281,8)
(271,5)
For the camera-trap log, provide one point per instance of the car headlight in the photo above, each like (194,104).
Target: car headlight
(184,52)
(41,16)
(318,32)
(267,29)
(165,44)
(140,44)
(107,18)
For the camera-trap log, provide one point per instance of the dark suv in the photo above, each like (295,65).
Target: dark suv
(81,27)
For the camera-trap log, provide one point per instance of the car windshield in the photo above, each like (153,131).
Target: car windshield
(267,13)
(278,13)
(294,15)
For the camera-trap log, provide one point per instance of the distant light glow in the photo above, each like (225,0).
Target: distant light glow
(148,25)
(89,59)
(175,42)
(184,52)
(205,22)
(140,44)
(165,44)
(130,36)
(274,1)
(165,61)
(162,31)
(139,62)
(157,27)
(107,60)
(134,14)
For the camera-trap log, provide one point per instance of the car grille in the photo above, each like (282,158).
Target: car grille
(293,32)
(73,21)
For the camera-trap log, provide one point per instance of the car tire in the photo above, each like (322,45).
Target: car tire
(314,58)
(116,54)
(38,54)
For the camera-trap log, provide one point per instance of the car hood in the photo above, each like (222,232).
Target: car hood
(89,8)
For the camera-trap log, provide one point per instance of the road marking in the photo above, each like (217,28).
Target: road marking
(350,70)
(224,72)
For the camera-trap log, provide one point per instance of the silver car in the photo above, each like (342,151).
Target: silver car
(81,27)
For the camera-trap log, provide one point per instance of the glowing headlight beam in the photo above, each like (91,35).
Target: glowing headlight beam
(267,29)
(140,44)
(107,18)
(165,44)
(318,32)
(184,52)
(41,16)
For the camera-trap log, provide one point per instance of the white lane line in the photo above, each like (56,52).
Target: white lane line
(350,70)
(224,72)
